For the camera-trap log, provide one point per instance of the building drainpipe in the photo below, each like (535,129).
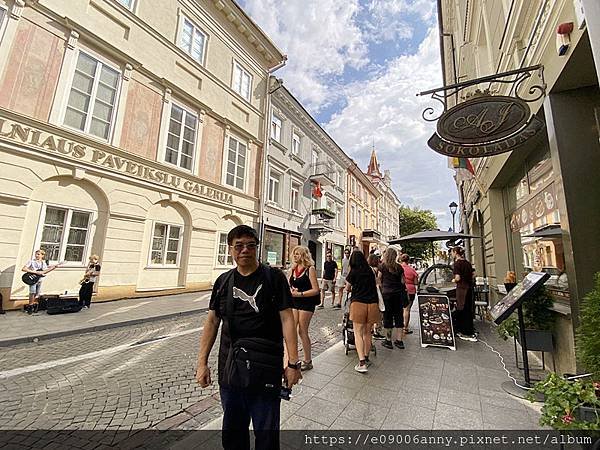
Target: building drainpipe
(266,137)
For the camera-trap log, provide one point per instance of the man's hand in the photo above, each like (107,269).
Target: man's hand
(292,376)
(203,375)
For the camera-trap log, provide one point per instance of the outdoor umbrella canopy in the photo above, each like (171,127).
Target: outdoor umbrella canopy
(432,236)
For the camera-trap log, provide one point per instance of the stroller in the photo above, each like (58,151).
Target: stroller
(348,329)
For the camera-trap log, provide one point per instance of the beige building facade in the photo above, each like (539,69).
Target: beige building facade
(363,200)
(535,207)
(131,132)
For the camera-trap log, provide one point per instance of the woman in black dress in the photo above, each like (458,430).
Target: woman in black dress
(395,298)
(463,277)
(306,295)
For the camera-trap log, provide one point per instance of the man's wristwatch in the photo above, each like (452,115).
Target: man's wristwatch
(296,365)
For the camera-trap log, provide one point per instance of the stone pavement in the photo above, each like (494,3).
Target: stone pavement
(416,388)
(18,327)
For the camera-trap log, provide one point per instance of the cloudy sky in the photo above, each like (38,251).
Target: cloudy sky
(356,65)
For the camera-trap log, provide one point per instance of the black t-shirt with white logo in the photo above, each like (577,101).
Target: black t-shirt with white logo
(256,307)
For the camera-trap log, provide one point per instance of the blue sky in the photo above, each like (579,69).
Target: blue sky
(356,66)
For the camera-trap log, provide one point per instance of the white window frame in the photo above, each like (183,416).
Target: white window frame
(296,139)
(4,11)
(195,29)
(225,161)
(63,244)
(276,127)
(359,218)
(103,62)
(296,188)
(353,215)
(276,180)
(228,258)
(164,256)
(131,7)
(339,216)
(165,132)
(237,67)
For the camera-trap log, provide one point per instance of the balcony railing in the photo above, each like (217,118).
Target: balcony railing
(324,213)
(322,173)
(371,235)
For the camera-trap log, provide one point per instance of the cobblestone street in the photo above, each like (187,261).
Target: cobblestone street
(134,377)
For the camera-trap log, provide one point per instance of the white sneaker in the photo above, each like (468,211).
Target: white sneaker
(361,369)
(464,337)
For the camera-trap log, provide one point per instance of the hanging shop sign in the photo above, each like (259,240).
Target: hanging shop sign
(485,126)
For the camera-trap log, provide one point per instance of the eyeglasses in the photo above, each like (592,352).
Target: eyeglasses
(249,245)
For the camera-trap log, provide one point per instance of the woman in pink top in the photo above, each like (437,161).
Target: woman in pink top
(412,280)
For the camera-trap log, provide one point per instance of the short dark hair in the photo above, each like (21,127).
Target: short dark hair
(459,251)
(241,231)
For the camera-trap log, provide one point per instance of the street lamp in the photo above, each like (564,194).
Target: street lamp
(453,207)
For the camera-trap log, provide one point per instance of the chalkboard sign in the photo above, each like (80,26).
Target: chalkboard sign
(526,288)
(435,321)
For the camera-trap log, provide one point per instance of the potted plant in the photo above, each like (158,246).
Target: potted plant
(539,323)
(575,404)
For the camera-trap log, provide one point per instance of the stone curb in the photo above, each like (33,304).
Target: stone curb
(57,334)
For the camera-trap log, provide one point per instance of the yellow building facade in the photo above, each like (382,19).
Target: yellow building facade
(362,210)
(131,132)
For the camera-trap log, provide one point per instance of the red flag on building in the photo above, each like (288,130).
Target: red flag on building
(317,192)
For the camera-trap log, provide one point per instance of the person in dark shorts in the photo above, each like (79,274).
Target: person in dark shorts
(364,309)
(305,296)
(330,270)
(394,298)
(411,279)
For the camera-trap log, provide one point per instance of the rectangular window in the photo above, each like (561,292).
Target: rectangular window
(223,256)
(359,218)
(295,200)
(242,81)
(366,220)
(295,144)
(274,186)
(166,242)
(129,4)
(2,14)
(276,128)
(65,234)
(181,138)
(236,164)
(353,215)
(193,41)
(92,98)
(339,217)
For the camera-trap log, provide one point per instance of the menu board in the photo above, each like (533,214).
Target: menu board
(526,288)
(435,321)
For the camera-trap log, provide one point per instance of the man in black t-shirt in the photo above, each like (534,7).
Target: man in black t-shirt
(262,309)
(330,270)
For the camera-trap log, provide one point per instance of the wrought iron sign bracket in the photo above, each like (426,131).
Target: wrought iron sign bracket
(516,78)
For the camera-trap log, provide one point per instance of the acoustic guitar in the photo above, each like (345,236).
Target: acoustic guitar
(32,278)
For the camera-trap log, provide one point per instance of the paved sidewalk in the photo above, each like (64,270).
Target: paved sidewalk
(416,388)
(18,327)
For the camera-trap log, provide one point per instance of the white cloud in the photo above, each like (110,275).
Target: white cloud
(321,38)
(385,108)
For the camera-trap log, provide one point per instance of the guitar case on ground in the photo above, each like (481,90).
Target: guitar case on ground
(61,305)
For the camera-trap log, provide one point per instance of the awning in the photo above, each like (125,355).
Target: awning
(551,231)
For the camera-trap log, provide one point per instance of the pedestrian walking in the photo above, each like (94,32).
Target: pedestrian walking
(341,280)
(87,282)
(330,271)
(364,311)
(463,314)
(374,260)
(254,303)
(305,296)
(411,280)
(394,298)
(37,266)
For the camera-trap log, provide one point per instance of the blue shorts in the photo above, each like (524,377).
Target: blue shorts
(36,288)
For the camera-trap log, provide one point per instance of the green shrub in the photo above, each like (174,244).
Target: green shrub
(588,332)
(536,315)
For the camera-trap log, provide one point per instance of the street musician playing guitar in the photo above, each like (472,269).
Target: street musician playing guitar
(35,270)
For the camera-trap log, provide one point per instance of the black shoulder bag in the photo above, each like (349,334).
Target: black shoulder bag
(253,363)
